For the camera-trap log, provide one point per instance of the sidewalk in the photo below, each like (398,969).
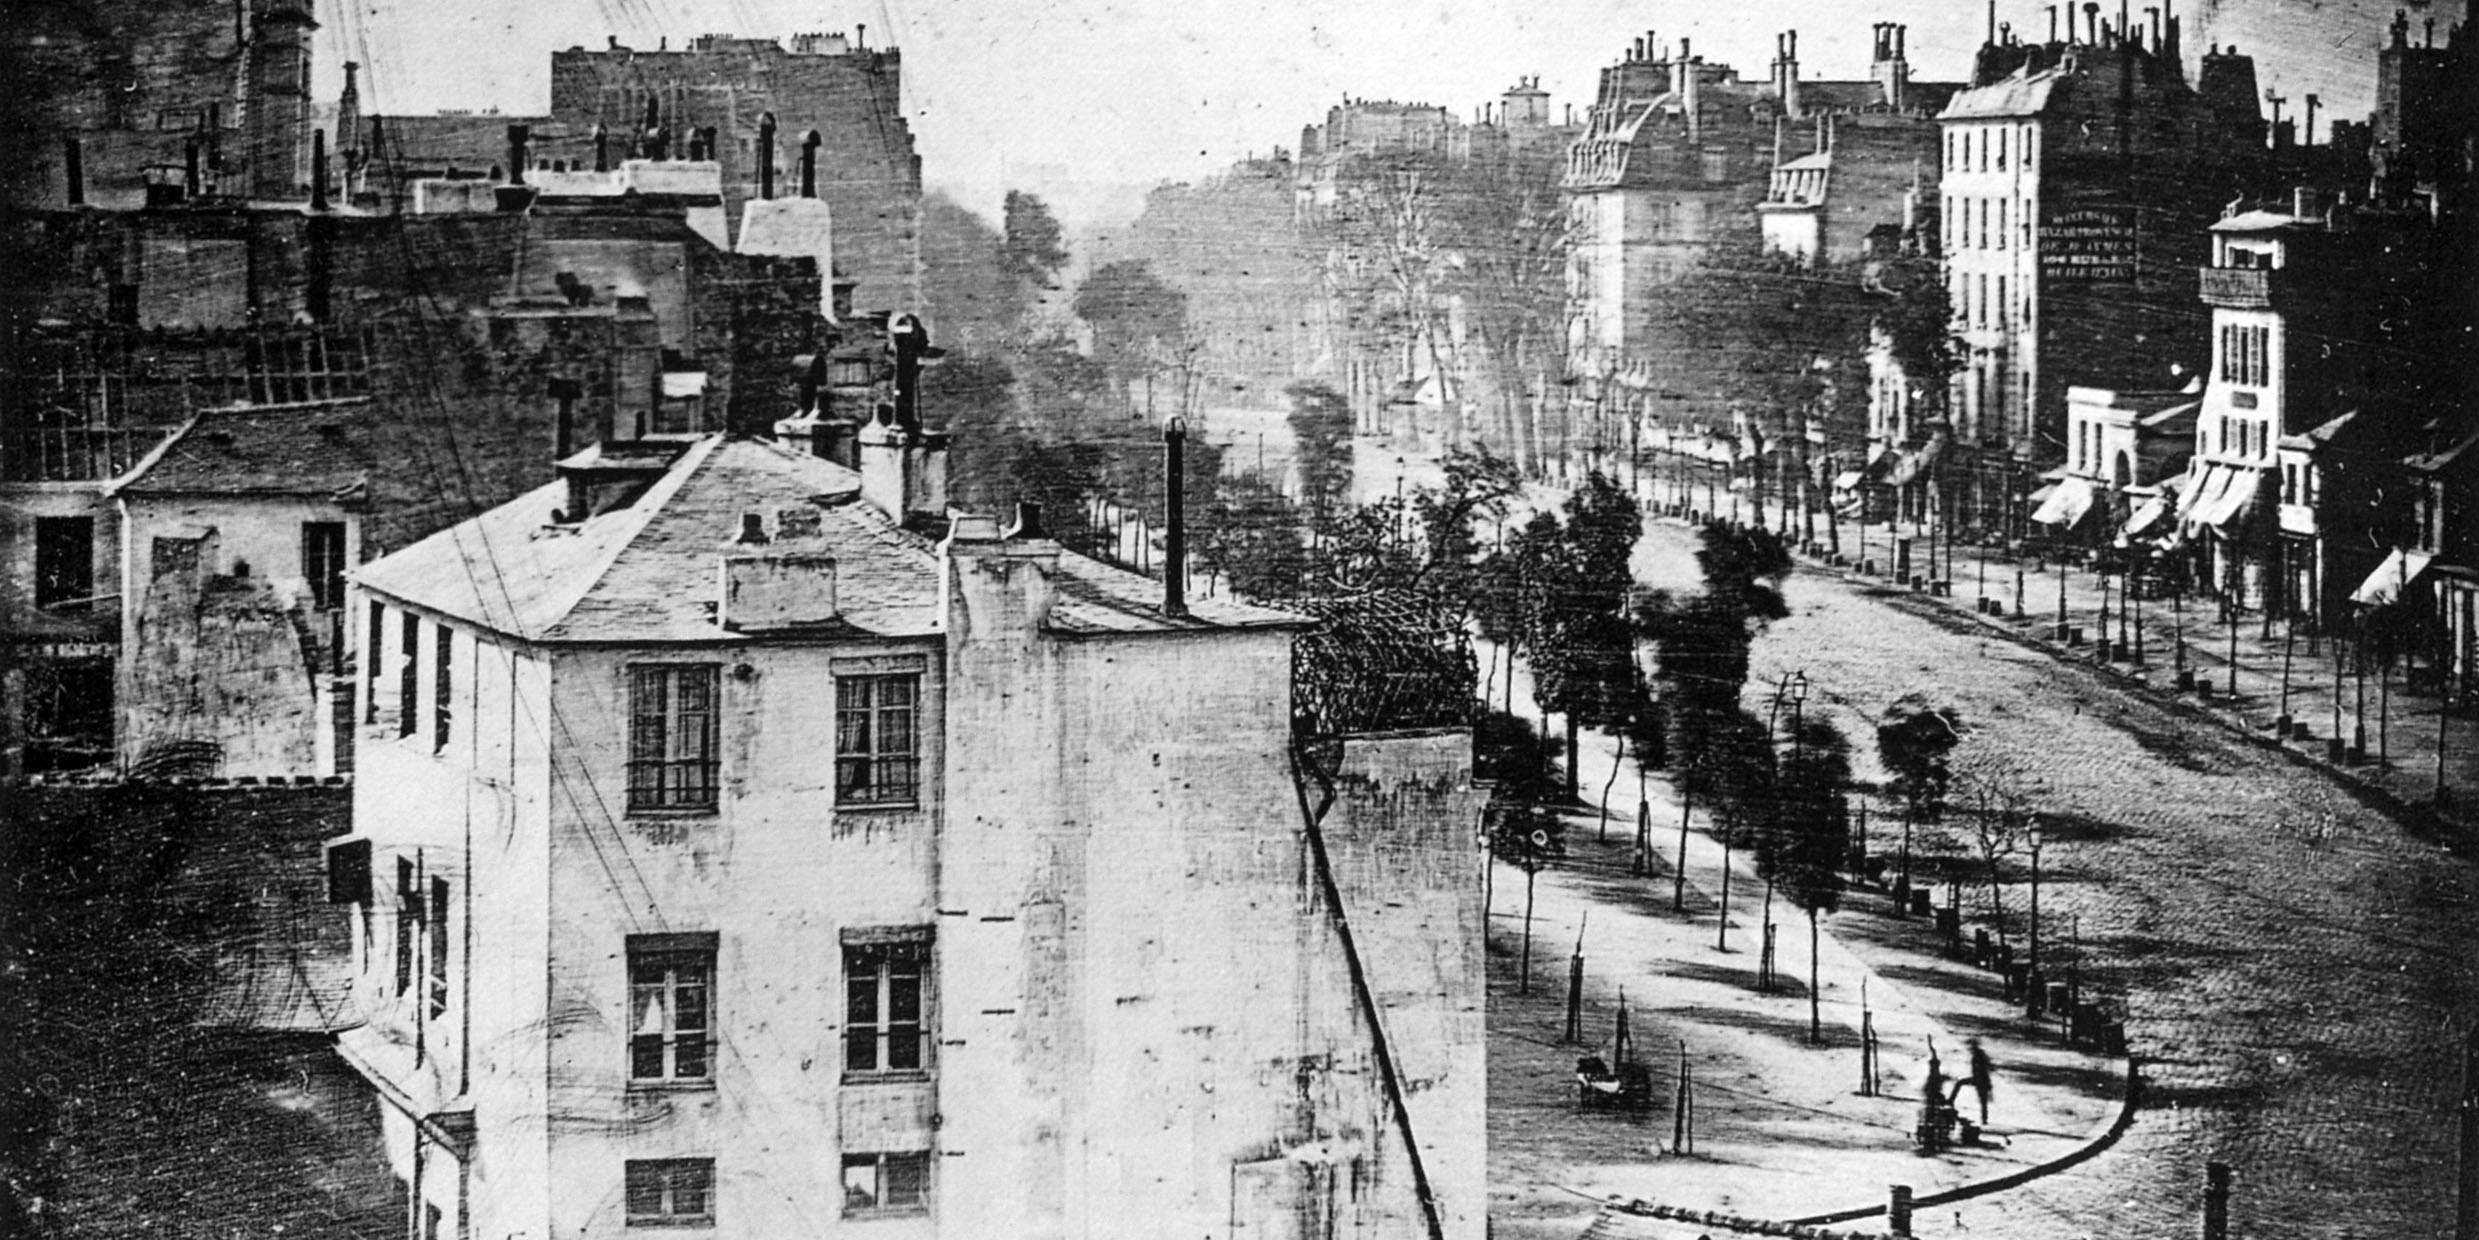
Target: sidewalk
(2286,673)
(1780,1132)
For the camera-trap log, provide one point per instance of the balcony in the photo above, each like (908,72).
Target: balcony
(2243,288)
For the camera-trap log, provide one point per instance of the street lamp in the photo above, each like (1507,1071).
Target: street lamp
(2035,841)
(1798,710)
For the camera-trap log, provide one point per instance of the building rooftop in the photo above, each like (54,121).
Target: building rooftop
(2023,94)
(321,449)
(644,571)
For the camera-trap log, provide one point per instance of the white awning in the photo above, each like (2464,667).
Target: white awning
(2200,497)
(2066,505)
(2384,587)
(2231,500)
(2145,516)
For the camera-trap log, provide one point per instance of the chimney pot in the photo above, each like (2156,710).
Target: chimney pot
(1028,521)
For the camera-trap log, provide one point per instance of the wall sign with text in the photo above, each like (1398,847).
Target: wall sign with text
(2089,245)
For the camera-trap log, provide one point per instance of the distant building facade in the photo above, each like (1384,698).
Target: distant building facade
(2078,174)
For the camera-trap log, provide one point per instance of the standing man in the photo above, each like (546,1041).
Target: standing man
(1981,1080)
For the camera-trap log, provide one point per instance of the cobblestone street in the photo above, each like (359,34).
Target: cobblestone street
(2297,968)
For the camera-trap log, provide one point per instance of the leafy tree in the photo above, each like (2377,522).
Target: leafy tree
(1750,338)
(1522,831)
(1250,533)
(1321,436)
(1811,836)
(1032,247)
(971,302)
(1478,484)
(1137,320)
(1915,740)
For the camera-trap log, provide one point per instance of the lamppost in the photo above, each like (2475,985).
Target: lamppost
(1798,710)
(2034,839)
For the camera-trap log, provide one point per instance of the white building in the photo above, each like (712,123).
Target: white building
(731,858)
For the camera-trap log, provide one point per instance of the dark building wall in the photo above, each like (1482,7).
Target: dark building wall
(866,169)
(141,86)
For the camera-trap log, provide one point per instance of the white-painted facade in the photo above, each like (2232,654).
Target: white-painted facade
(602,1014)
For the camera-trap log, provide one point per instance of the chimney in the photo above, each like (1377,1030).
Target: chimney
(766,155)
(565,392)
(2312,104)
(1693,101)
(1790,73)
(809,163)
(73,167)
(519,138)
(318,169)
(1175,535)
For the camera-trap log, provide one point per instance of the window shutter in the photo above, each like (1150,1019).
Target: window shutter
(348,872)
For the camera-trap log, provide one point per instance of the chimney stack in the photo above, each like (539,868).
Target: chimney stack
(318,169)
(564,391)
(766,155)
(520,137)
(1175,535)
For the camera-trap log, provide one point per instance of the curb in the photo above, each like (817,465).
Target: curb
(1813,1227)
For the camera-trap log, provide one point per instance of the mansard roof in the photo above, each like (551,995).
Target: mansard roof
(645,571)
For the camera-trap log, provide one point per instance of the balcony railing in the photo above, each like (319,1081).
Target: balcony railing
(2239,288)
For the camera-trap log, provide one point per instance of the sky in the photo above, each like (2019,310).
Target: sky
(1088,101)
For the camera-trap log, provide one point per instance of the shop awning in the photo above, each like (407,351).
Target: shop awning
(2206,490)
(2066,505)
(2230,501)
(2384,586)
(1916,461)
(2146,515)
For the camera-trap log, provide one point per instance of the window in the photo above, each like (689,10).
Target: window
(883,1004)
(672,736)
(408,673)
(886,1183)
(442,686)
(408,922)
(322,562)
(670,1192)
(877,742)
(671,1007)
(436,977)
(370,662)
(64,563)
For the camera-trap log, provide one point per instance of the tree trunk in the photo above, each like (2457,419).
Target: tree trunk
(1573,757)
(1523,978)
(1601,828)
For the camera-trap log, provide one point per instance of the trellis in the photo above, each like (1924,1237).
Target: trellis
(1384,660)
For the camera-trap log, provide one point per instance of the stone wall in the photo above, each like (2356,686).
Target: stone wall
(866,169)
(1402,837)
